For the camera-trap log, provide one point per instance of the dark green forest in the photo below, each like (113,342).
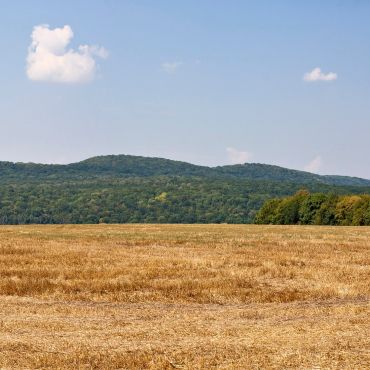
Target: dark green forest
(129,189)
(304,208)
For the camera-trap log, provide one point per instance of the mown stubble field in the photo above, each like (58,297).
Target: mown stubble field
(184,296)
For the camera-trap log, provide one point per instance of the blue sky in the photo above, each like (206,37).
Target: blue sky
(209,82)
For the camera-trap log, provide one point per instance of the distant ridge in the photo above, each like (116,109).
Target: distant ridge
(133,189)
(138,166)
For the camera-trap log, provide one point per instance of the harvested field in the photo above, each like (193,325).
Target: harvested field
(184,296)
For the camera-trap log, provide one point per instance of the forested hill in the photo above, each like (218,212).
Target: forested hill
(120,189)
(119,166)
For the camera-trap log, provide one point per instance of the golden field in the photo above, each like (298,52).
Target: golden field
(184,296)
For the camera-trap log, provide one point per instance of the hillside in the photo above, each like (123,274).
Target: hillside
(137,166)
(131,189)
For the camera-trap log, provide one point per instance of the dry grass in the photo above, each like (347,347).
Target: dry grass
(215,296)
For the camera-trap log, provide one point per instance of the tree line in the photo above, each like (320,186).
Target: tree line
(304,208)
(161,199)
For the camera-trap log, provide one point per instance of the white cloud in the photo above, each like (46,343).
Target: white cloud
(317,75)
(237,156)
(315,165)
(171,67)
(49,59)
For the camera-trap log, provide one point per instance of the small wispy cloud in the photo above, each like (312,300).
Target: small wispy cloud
(317,75)
(237,156)
(171,67)
(49,59)
(315,165)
